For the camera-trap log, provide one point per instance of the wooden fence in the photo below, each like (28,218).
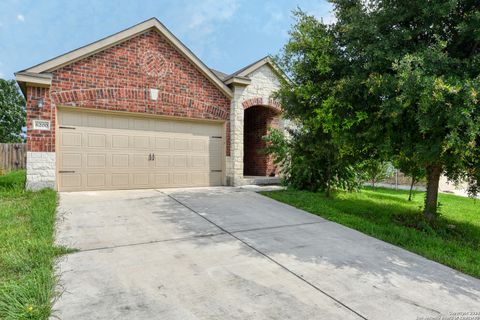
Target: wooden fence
(13,156)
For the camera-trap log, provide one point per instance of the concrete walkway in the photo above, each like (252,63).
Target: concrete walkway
(228,253)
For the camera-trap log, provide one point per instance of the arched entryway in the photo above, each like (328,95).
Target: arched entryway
(257,120)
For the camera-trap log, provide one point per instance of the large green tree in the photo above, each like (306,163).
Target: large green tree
(12,112)
(313,156)
(393,78)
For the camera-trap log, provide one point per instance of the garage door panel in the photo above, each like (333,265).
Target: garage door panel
(71,139)
(120,123)
(96,161)
(182,127)
(179,161)
(96,140)
(215,178)
(215,164)
(142,124)
(163,126)
(120,179)
(199,145)
(181,144)
(120,160)
(102,151)
(140,161)
(200,162)
(199,178)
(162,161)
(70,119)
(97,121)
(96,180)
(162,143)
(215,144)
(161,179)
(71,160)
(141,142)
(180,179)
(120,141)
(141,179)
(70,180)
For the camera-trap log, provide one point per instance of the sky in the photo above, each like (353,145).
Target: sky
(225,34)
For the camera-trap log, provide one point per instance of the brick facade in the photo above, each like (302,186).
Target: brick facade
(261,101)
(120,78)
(257,121)
(126,76)
(39,140)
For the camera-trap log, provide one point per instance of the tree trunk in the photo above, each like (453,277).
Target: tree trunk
(431,199)
(328,191)
(411,189)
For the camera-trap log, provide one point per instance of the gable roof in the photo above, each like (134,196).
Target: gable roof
(245,71)
(42,70)
(221,75)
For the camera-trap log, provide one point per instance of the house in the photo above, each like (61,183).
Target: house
(139,110)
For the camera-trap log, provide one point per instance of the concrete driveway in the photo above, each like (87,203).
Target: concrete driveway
(228,253)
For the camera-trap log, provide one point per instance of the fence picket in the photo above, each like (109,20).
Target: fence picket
(13,156)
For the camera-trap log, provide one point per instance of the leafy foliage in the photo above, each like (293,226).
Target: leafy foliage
(392,79)
(410,168)
(12,112)
(374,170)
(309,160)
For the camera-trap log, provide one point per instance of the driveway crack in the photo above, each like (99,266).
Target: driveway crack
(278,227)
(150,242)
(232,234)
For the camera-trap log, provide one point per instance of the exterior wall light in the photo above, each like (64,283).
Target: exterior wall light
(40,103)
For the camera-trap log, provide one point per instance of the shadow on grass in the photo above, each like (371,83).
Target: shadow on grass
(393,195)
(402,213)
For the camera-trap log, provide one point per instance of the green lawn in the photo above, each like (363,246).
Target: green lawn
(387,215)
(27,252)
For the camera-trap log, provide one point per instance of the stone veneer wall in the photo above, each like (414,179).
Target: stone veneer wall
(40,170)
(264,82)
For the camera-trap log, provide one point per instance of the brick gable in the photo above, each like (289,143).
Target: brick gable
(120,78)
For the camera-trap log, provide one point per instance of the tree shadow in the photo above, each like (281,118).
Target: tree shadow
(403,214)
(398,196)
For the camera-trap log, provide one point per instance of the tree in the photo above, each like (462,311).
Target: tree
(410,169)
(12,112)
(393,77)
(311,158)
(376,170)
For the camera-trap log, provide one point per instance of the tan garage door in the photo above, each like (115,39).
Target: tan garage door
(103,151)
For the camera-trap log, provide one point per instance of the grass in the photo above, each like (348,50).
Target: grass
(387,214)
(27,250)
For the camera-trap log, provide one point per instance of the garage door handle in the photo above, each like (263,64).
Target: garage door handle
(215,170)
(63,171)
(153,157)
(150,157)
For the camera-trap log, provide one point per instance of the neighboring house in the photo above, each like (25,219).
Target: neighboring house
(139,110)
